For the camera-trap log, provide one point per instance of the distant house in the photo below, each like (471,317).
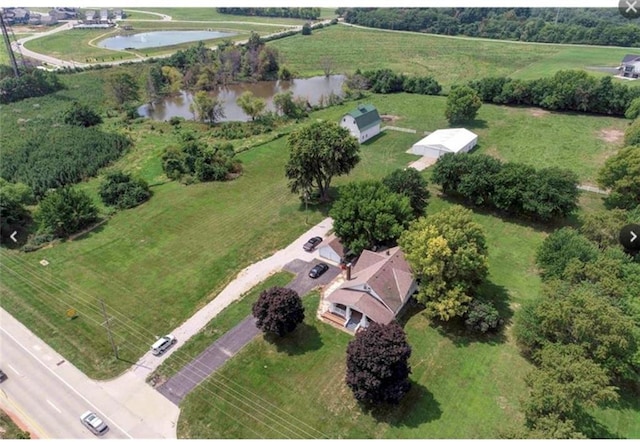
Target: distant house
(630,66)
(117,14)
(35,18)
(363,122)
(445,141)
(104,15)
(21,15)
(64,13)
(376,289)
(332,250)
(48,20)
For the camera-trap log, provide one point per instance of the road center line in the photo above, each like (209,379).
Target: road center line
(67,384)
(11,367)
(54,407)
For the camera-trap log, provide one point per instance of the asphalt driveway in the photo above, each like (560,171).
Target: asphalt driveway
(207,362)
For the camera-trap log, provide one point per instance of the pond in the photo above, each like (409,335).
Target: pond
(159,38)
(312,89)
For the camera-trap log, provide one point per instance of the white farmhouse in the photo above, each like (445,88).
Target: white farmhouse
(445,141)
(363,122)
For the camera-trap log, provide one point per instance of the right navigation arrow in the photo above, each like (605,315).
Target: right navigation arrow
(633,236)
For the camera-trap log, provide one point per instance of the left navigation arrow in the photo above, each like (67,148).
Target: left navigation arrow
(13,236)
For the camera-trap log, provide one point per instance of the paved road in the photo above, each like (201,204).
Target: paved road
(49,394)
(49,405)
(178,386)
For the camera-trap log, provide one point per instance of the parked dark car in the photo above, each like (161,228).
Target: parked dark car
(312,243)
(3,376)
(318,270)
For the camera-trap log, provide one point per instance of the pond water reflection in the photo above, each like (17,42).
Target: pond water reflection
(311,89)
(159,38)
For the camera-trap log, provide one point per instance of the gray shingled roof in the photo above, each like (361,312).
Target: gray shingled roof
(630,57)
(366,116)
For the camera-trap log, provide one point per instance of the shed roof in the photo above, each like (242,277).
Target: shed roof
(448,140)
(366,116)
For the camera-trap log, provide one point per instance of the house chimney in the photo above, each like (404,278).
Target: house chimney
(349,271)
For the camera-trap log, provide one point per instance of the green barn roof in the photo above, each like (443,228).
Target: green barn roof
(366,116)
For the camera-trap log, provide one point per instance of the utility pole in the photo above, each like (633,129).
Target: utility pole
(7,42)
(106,321)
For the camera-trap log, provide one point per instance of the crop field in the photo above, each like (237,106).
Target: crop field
(449,60)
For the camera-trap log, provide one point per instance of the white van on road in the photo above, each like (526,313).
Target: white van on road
(162,344)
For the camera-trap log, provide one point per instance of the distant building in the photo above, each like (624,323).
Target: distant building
(363,122)
(104,15)
(630,66)
(117,14)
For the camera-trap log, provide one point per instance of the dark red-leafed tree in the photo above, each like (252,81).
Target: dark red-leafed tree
(278,310)
(378,364)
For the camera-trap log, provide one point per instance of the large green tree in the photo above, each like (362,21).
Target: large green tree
(463,104)
(81,115)
(250,104)
(13,213)
(565,385)
(208,109)
(317,153)
(448,252)
(123,88)
(378,364)
(410,183)
(560,248)
(621,174)
(367,213)
(578,315)
(65,211)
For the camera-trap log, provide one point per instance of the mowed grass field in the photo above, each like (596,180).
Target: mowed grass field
(210,14)
(575,141)
(449,60)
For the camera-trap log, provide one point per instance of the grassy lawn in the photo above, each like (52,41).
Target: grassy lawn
(532,136)
(210,14)
(218,326)
(449,60)
(74,45)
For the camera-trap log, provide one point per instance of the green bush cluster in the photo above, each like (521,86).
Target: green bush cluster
(195,161)
(518,189)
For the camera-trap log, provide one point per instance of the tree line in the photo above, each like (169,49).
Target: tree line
(567,90)
(307,13)
(575,26)
(518,189)
(34,83)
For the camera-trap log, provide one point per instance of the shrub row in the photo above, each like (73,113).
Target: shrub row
(515,188)
(569,90)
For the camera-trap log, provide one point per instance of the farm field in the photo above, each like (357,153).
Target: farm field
(210,14)
(443,57)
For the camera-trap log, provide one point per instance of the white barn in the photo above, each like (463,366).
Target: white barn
(363,122)
(332,250)
(445,141)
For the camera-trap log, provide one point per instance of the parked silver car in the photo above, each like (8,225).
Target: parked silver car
(96,425)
